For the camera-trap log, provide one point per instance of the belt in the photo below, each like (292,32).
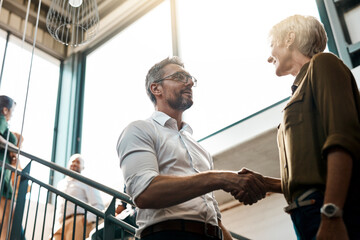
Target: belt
(201,228)
(299,202)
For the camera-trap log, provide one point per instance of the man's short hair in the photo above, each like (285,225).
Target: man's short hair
(156,72)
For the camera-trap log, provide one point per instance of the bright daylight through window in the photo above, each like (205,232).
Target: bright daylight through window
(39,117)
(224,46)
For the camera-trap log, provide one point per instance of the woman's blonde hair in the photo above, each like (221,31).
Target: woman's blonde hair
(310,35)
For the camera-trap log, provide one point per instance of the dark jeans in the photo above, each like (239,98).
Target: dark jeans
(306,219)
(176,235)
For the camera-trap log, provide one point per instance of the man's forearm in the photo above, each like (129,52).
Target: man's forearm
(165,191)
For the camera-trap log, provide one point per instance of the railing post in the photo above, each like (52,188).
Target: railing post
(109,227)
(16,230)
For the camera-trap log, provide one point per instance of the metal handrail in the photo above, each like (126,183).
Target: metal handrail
(123,197)
(108,215)
(65,195)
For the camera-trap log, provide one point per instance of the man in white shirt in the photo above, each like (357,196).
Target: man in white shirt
(168,174)
(84,193)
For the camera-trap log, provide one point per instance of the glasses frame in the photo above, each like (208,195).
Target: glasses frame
(172,77)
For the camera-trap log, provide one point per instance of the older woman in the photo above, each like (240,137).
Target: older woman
(319,138)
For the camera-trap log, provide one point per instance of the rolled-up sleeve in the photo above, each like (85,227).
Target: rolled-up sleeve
(338,104)
(138,160)
(139,169)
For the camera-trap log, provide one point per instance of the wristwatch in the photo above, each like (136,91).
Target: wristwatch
(330,210)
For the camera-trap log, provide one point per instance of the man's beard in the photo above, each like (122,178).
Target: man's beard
(180,103)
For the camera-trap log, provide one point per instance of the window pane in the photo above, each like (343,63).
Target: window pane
(115,90)
(41,103)
(224,45)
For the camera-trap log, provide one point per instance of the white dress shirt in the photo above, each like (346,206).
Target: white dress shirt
(152,147)
(81,191)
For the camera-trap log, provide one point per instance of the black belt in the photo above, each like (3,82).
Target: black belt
(201,228)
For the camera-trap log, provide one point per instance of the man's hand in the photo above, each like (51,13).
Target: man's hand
(332,229)
(255,190)
(246,186)
(119,209)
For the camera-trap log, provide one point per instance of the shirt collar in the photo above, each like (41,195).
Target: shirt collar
(163,119)
(299,77)
(301,74)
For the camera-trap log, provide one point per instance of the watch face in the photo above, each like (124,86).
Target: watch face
(330,209)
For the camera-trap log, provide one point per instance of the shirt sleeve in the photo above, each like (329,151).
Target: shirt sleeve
(337,99)
(95,200)
(216,204)
(60,202)
(138,161)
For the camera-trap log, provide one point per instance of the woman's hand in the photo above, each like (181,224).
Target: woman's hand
(19,138)
(13,157)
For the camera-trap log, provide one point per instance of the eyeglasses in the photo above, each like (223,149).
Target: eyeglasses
(179,76)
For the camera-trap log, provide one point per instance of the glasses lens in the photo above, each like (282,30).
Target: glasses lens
(180,77)
(183,77)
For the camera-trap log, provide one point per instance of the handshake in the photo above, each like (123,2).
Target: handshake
(246,186)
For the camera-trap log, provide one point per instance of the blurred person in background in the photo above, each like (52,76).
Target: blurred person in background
(84,193)
(7,106)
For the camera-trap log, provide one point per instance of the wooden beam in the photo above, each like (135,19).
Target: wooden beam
(20,10)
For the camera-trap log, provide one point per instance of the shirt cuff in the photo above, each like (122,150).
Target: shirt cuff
(349,144)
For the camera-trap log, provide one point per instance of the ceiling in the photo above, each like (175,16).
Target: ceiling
(114,15)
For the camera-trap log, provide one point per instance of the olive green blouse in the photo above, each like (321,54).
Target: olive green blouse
(323,112)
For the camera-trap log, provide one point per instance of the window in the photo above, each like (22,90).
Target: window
(115,90)
(39,117)
(224,45)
